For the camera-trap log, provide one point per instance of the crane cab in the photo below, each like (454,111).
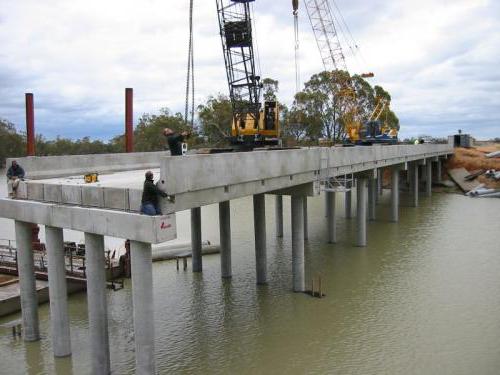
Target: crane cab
(263,129)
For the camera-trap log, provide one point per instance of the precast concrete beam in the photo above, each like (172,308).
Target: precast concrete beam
(151,229)
(38,167)
(331,220)
(279,215)
(58,295)
(97,305)
(143,307)
(259,217)
(225,239)
(27,281)
(196,259)
(361,211)
(298,268)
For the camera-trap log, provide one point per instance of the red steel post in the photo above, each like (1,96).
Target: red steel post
(129,119)
(30,125)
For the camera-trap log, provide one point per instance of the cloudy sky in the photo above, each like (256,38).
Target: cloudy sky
(438,58)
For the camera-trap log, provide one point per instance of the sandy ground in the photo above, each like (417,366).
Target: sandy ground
(474,159)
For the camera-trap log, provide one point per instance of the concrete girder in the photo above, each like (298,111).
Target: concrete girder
(155,229)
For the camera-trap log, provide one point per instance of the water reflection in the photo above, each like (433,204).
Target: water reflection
(420,298)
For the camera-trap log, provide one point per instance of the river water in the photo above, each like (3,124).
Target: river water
(422,298)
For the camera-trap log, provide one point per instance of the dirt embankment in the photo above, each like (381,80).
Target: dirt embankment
(474,159)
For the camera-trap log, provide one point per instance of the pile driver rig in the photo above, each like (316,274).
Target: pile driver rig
(253,125)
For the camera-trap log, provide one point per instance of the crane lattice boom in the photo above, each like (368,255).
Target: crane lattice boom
(322,23)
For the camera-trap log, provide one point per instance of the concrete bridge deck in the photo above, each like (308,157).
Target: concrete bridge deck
(110,208)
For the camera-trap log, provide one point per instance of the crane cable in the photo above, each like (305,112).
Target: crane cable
(190,71)
(296,31)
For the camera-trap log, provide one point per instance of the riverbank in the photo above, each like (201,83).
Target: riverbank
(474,159)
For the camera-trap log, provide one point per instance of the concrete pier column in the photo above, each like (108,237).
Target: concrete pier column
(380,175)
(196,260)
(438,171)
(143,307)
(395,195)
(348,201)
(414,184)
(372,198)
(279,215)
(327,204)
(97,306)
(298,270)
(27,281)
(361,211)
(58,294)
(306,225)
(225,239)
(259,218)
(428,179)
(332,220)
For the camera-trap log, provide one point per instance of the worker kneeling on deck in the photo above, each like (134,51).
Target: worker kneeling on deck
(149,203)
(14,174)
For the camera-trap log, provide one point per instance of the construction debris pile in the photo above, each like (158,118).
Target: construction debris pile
(477,170)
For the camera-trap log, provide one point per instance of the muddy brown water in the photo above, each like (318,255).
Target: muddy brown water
(422,298)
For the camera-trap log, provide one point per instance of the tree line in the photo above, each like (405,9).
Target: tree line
(318,112)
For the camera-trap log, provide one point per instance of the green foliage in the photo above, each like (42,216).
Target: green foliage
(331,99)
(148,133)
(216,117)
(12,144)
(270,88)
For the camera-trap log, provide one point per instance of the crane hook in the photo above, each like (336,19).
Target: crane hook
(295,5)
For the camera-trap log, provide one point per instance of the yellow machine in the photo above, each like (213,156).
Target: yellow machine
(261,130)
(91,177)
(374,130)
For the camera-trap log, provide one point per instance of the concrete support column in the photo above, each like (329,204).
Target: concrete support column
(395,195)
(348,201)
(380,175)
(327,204)
(27,281)
(279,215)
(298,270)
(58,294)
(361,211)
(259,218)
(415,183)
(306,225)
(143,307)
(372,198)
(438,171)
(196,260)
(225,239)
(428,179)
(332,220)
(97,306)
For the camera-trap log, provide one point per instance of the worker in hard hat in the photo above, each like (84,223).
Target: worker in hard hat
(175,140)
(150,203)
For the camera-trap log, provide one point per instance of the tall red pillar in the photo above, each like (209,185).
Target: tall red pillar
(30,125)
(129,120)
